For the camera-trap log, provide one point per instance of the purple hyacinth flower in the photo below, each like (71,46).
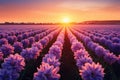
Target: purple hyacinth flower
(30,53)
(3,41)
(96,38)
(50,37)
(12,39)
(87,40)
(92,45)
(115,48)
(38,45)
(100,51)
(44,41)
(19,38)
(61,40)
(25,43)
(56,51)
(110,58)
(76,46)
(80,53)
(73,39)
(47,72)
(25,35)
(14,63)
(92,72)
(8,75)
(37,37)
(115,40)
(84,59)
(102,40)
(31,40)
(59,44)
(51,60)
(7,49)
(18,46)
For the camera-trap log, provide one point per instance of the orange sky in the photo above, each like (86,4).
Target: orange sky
(56,10)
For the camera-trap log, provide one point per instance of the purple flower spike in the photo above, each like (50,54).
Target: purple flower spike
(8,75)
(92,46)
(31,40)
(47,72)
(115,40)
(76,46)
(87,40)
(51,60)
(7,49)
(12,39)
(18,46)
(56,51)
(50,37)
(59,44)
(44,41)
(25,35)
(37,37)
(80,53)
(3,41)
(14,63)
(92,72)
(72,39)
(100,51)
(25,43)
(19,37)
(30,53)
(84,59)
(38,45)
(110,58)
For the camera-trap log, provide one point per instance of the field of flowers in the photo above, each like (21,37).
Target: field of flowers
(57,52)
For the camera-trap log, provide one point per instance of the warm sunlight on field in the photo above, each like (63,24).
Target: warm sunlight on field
(59,40)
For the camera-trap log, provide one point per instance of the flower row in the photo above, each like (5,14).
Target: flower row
(50,63)
(14,64)
(100,51)
(88,69)
(112,43)
(17,47)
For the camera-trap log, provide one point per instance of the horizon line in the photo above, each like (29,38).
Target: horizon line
(57,22)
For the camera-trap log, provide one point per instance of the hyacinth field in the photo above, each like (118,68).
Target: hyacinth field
(59,52)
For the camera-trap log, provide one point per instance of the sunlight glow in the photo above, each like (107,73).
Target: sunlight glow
(66,20)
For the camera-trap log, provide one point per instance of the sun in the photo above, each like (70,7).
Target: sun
(66,20)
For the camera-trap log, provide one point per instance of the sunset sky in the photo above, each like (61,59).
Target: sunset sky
(56,10)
